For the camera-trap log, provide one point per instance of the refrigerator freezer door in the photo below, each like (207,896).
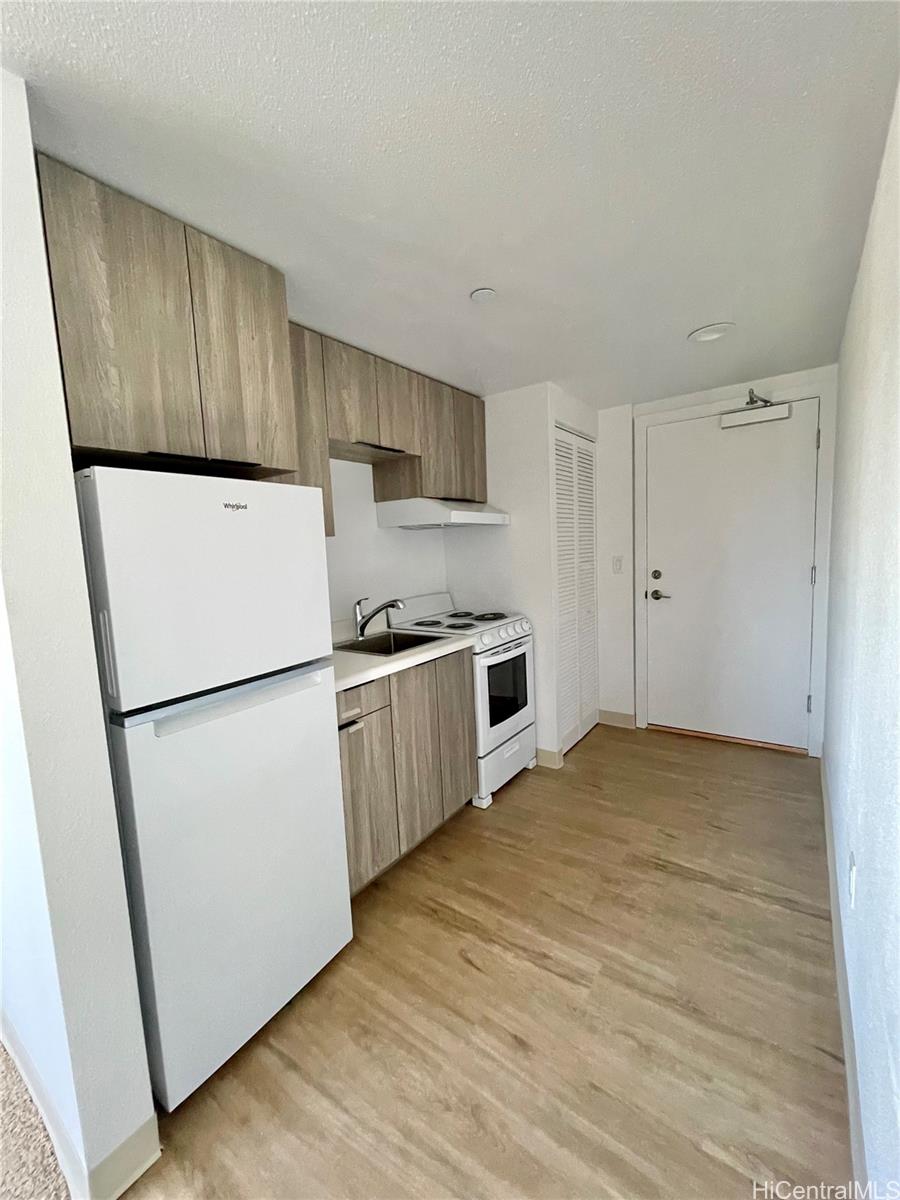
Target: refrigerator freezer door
(199,582)
(233,835)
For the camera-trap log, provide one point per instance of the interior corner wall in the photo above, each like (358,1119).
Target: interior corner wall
(366,560)
(615,560)
(511,565)
(861,761)
(70,1000)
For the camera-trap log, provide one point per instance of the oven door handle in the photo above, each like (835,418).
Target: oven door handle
(503,652)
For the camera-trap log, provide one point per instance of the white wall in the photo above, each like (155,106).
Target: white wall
(862,731)
(615,540)
(31,999)
(79,1039)
(511,566)
(364,560)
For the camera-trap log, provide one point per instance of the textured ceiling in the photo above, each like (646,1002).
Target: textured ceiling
(619,172)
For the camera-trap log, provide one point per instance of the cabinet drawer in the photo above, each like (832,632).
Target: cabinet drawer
(356,702)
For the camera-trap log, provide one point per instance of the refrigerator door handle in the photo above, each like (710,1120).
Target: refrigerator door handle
(204,713)
(109,654)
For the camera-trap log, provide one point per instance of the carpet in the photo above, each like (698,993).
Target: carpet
(28,1166)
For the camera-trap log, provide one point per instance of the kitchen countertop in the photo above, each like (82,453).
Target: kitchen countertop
(352,670)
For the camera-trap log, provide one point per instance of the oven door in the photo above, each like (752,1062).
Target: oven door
(504,693)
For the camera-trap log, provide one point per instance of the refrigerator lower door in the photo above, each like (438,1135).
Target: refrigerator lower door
(199,582)
(233,835)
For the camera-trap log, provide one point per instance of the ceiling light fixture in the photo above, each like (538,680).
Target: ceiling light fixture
(710,333)
(481,295)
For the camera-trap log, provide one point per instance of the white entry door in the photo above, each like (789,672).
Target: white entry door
(731,512)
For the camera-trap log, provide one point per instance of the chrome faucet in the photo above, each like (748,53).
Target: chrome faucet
(362,621)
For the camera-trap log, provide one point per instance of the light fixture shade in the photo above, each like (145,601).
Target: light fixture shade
(710,333)
(482,294)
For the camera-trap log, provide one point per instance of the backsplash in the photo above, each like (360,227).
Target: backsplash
(364,560)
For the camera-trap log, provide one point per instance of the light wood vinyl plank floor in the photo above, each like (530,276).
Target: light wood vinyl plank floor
(616,982)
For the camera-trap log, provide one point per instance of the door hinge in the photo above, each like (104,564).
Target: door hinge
(809,704)
(812,575)
(818,439)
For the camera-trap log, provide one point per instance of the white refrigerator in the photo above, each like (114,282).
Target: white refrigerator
(210,604)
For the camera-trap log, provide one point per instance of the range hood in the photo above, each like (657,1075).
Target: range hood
(422,513)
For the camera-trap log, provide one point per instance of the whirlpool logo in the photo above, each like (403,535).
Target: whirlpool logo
(233,505)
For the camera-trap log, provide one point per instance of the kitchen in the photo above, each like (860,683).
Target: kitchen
(396,810)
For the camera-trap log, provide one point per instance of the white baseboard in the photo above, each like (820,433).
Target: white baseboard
(70,1161)
(118,1171)
(550,758)
(857,1145)
(619,719)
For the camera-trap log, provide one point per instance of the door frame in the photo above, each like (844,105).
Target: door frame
(821,385)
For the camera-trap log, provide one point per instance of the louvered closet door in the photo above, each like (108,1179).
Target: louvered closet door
(567,703)
(586,542)
(576,586)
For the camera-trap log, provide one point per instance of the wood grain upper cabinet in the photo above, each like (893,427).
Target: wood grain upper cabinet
(350,393)
(451,449)
(456,717)
(240,317)
(370,796)
(440,476)
(121,290)
(398,406)
(417,753)
(469,447)
(313,467)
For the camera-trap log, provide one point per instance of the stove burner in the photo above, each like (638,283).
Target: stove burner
(429,623)
(491,617)
(460,624)
(462,614)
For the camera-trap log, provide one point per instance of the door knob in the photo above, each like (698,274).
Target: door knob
(656,594)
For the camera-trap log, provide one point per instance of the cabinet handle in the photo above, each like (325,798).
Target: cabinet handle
(351,712)
(352,728)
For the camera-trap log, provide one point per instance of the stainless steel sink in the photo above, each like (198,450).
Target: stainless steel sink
(386,643)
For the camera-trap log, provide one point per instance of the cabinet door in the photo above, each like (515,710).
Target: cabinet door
(437,438)
(456,715)
(398,406)
(417,753)
(240,316)
(350,393)
(471,469)
(370,797)
(122,295)
(314,468)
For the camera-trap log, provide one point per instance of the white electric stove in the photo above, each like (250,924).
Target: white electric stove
(503,662)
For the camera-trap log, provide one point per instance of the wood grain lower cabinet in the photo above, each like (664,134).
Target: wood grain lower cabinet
(243,351)
(370,796)
(408,760)
(307,367)
(122,295)
(456,719)
(417,753)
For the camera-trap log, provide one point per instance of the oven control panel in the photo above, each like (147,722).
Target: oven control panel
(503,633)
